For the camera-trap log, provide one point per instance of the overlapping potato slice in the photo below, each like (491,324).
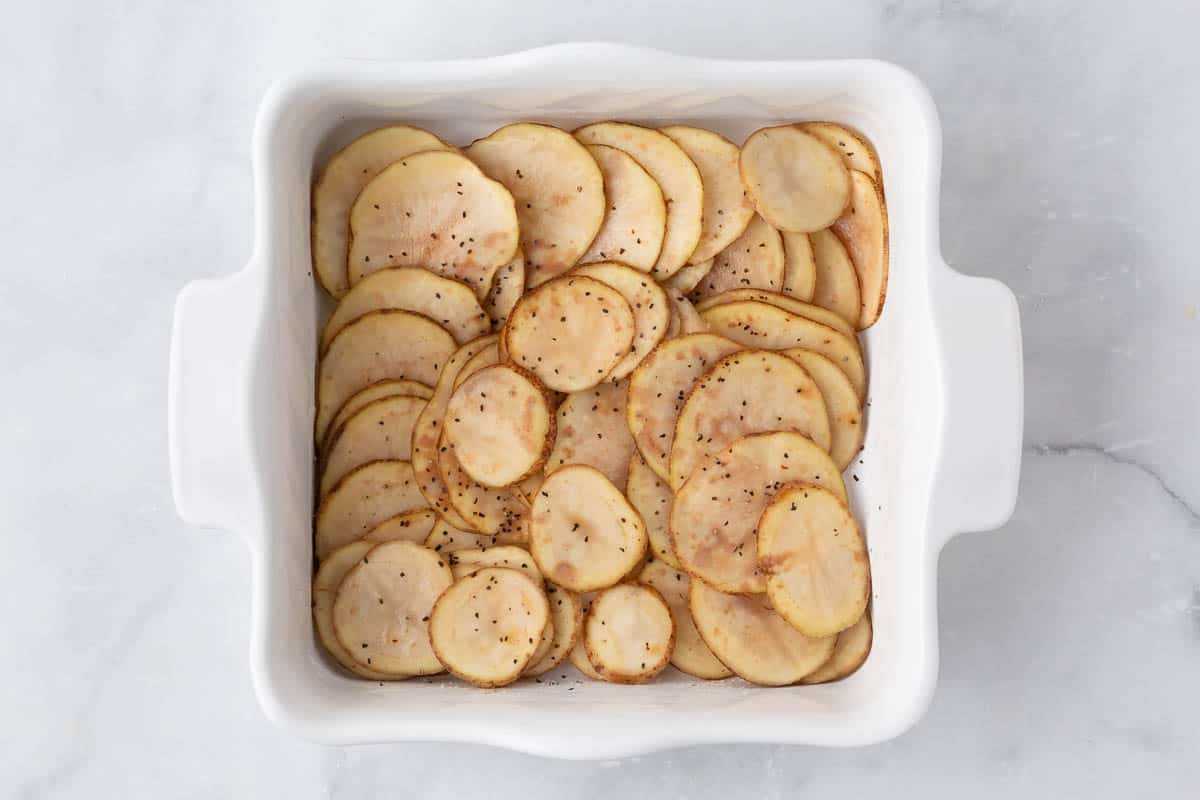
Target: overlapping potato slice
(486,627)
(675,173)
(800,267)
(487,357)
(648,301)
(364,497)
(846,429)
(566,615)
(629,633)
(324,589)
(379,431)
(583,533)
(592,430)
(688,278)
(715,513)
(578,655)
(409,526)
(690,654)
(376,391)
(864,230)
(651,497)
(339,184)
(685,318)
(788,303)
(755,260)
(558,189)
(382,609)
(727,210)
(484,509)
(468,562)
(853,147)
(435,210)
(849,652)
(796,181)
(635,220)
(507,287)
(752,640)
(570,332)
(836,281)
(446,538)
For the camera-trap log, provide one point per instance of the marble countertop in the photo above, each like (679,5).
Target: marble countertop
(1070,638)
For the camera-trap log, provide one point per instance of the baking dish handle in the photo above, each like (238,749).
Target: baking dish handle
(979,329)
(207,402)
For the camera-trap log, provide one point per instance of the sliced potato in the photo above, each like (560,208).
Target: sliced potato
(592,430)
(815,559)
(755,260)
(446,538)
(485,509)
(529,487)
(566,614)
(690,654)
(768,327)
(849,652)
(788,303)
(635,221)
(376,391)
(800,267)
(583,533)
(715,513)
(651,497)
(383,605)
(339,184)
(325,585)
(570,332)
(379,431)
(468,562)
(836,281)
(363,498)
(751,391)
(685,316)
(856,151)
(629,633)
(558,189)
(409,526)
(752,640)
(846,429)
(675,173)
(690,276)
(864,230)
(659,387)
(651,309)
(487,626)
(796,181)
(727,209)
(487,357)
(382,345)
(578,654)
(507,287)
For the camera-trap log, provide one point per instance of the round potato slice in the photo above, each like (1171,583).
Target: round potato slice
(768,327)
(592,430)
(849,652)
(583,533)
(382,345)
(629,633)
(487,626)
(864,230)
(755,260)
(800,268)
(468,562)
(790,304)
(570,332)
(651,309)
(815,559)
(635,221)
(796,181)
(500,424)
(380,431)
(410,526)
(685,314)
(363,498)
(727,209)
(558,189)
(836,281)
(853,146)
(530,486)
(690,654)
(507,288)
(340,183)
(652,499)
(382,609)
(752,640)
(690,276)
(325,585)
(752,391)
(659,387)
(446,538)
(846,429)
(438,211)
(675,173)
(566,615)
(715,513)
(486,509)
(375,391)
(487,357)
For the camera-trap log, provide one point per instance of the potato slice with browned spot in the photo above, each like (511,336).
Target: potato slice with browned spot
(690,654)
(324,589)
(629,633)
(592,430)
(690,276)
(583,533)
(364,497)
(651,496)
(755,260)
(727,209)
(715,513)
(836,281)
(685,318)
(566,614)
(846,428)
(788,303)
(485,509)
(558,189)
(409,526)
(468,562)
(382,609)
(854,148)
(796,181)
(379,431)
(507,288)
(435,210)
(849,652)
(746,634)
(751,391)
(487,626)
(376,391)
(635,220)
(864,230)
(648,301)
(799,266)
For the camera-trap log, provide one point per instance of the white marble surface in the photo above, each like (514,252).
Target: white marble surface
(1071,638)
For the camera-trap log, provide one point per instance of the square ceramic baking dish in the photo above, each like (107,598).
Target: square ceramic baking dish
(944,421)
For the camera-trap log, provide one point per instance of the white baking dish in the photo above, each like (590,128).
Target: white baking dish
(944,424)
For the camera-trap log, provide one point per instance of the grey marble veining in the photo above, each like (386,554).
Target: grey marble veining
(1070,638)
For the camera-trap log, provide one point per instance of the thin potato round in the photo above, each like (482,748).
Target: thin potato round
(468,562)
(507,287)
(485,509)
(715,513)
(752,640)
(727,209)
(592,430)
(846,429)
(446,538)
(855,150)
(836,281)
(690,654)
(570,332)
(675,173)
(487,357)
(635,220)
(583,533)
(815,559)
(382,345)
(864,230)
(690,276)
(376,391)
(340,183)
(629,633)
(487,626)
(800,267)
(500,424)
(659,387)
(849,652)
(755,260)
(796,181)
(409,526)
(380,431)
(363,498)
(751,391)
(685,316)
(790,304)
(383,605)
(566,614)
(558,189)
(652,498)
(651,309)
(324,589)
